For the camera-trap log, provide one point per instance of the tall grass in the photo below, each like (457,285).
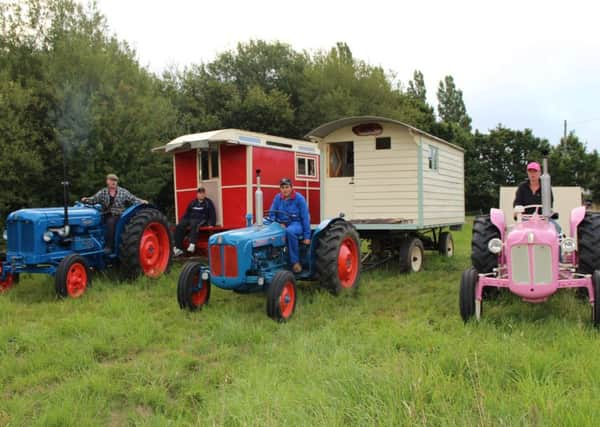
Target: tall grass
(395,353)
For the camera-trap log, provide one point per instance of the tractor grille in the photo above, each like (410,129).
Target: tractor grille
(223,260)
(20,236)
(542,264)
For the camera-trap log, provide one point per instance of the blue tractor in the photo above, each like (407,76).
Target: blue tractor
(68,243)
(254,259)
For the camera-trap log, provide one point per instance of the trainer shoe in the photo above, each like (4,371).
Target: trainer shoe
(191,248)
(177,252)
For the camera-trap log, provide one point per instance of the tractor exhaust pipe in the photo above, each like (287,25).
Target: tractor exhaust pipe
(258,200)
(65,183)
(546,187)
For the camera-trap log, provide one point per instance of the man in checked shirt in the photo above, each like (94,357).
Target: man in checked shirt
(114,201)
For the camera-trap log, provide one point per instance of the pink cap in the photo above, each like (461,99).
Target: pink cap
(534,166)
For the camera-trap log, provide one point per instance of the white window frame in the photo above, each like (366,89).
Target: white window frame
(306,158)
(434,158)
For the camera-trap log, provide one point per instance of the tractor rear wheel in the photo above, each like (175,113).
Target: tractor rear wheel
(596,305)
(192,292)
(281,296)
(483,231)
(468,283)
(588,238)
(412,254)
(72,277)
(338,257)
(146,244)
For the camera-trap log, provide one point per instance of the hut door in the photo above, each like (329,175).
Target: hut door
(339,180)
(209,166)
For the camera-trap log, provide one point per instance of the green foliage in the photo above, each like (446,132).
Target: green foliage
(451,107)
(65,80)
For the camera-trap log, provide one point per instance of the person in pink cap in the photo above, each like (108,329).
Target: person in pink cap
(530,192)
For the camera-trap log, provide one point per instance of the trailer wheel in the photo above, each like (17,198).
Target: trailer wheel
(412,254)
(338,257)
(483,231)
(468,283)
(146,245)
(281,296)
(446,244)
(192,292)
(588,238)
(73,276)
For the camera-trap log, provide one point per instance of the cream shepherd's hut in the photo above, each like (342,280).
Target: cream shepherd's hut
(400,186)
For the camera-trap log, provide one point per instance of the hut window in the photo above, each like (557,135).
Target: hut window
(383,143)
(306,167)
(341,159)
(434,158)
(209,163)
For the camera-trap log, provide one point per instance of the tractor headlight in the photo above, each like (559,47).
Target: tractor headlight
(495,246)
(568,245)
(48,235)
(261,281)
(205,275)
(5,234)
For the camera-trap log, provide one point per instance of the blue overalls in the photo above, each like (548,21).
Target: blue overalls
(297,221)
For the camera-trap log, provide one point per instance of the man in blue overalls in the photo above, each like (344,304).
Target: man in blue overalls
(289,208)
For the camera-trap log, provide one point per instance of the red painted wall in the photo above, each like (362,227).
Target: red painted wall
(233,165)
(186,177)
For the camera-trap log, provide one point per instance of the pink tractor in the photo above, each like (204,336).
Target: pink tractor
(532,259)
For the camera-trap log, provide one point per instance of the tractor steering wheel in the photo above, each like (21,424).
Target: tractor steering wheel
(267,217)
(96,206)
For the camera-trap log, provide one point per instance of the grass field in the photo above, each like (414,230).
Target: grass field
(395,353)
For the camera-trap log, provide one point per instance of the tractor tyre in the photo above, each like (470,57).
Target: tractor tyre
(446,244)
(192,292)
(483,231)
(588,239)
(146,244)
(412,255)
(281,296)
(338,257)
(73,276)
(468,283)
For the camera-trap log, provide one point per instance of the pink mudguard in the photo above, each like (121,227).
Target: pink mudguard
(577,216)
(497,218)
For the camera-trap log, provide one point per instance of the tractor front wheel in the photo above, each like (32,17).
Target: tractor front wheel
(338,257)
(281,296)
(146,245)
(8,282)
(192,292)
(73,277)
(468,284)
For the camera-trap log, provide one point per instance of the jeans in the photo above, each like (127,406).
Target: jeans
(292,231)
(181,229)
(109,232)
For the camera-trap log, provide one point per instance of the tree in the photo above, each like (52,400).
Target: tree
(451,107)
(416,87)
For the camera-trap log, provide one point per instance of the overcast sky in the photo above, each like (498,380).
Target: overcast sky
(520,63)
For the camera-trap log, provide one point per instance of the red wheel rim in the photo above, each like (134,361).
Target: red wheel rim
(7,283)
(154,250)
(348,262)
(198,297)
(287,300)
(77,279)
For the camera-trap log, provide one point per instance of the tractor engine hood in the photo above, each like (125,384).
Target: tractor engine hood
(533,232)
(54,217)
(259,235)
